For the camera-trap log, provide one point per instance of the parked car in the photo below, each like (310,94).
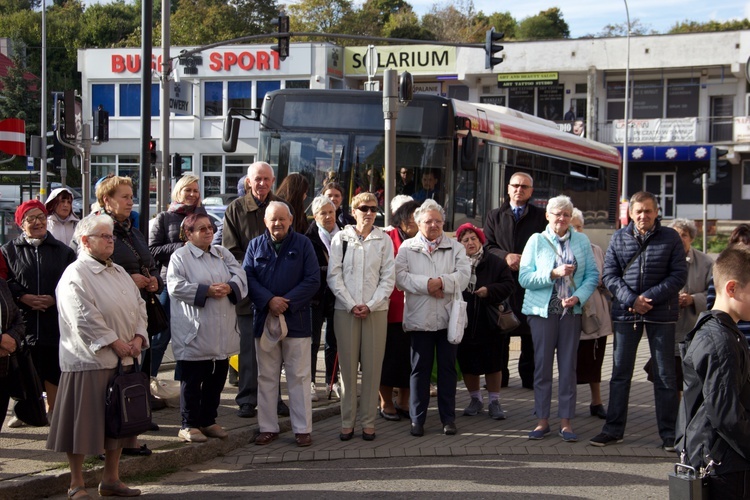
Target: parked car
(222,199)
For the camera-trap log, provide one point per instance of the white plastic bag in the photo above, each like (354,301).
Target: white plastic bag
(457,318)
(166,390)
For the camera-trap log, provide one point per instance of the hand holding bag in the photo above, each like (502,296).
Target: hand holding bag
(503,316)
(457,318)
(127,407)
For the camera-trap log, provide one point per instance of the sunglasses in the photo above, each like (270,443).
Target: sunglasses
(364,209)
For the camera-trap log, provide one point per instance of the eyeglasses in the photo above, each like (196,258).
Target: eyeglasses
(520,186)
(106,237)
(560,215)
(204,229)
(35,218)
(365,208)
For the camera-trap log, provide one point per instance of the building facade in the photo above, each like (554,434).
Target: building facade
(687,94)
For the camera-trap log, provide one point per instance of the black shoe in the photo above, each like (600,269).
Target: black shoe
(282,409)
(394,417)
(347,436)
(603,439)
(528,385)
(450,429)
(404,413)
(598,411)
(143,451)
(368,437)
(246,411)
(417,430)
(154,427)
(668,445)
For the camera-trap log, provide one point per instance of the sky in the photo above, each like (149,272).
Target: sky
(585,17)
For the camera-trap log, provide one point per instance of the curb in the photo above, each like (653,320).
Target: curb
(56,482)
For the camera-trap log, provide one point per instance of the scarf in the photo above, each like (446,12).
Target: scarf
(34,242)
(181,208)
(430,246)
(475,260)
(326,237)
(563,255)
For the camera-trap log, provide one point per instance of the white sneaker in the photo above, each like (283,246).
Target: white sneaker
(192,435)
(15,422)
(313,394)
(335,389)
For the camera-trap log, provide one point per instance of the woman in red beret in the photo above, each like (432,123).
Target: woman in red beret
(481,350)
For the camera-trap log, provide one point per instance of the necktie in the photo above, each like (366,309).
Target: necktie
(517,213)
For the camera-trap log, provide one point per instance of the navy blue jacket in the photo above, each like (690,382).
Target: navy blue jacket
(658,273)
(293,273)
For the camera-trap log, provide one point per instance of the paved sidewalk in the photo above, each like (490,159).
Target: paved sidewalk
(28,470)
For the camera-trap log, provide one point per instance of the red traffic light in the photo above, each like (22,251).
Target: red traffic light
(152,150)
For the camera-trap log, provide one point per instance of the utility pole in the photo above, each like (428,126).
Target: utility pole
(147,8)
(43,123)
(390,115)
(163,171)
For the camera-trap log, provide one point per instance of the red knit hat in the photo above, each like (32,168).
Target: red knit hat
(468,226)
(25,207)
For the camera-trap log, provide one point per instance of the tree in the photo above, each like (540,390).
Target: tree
(454,22)
(108,25)
(256,15)
(320,16)
(547,25)
(20,93)
(405,24)
(200,22)
(621,29)
(710,26)
(11,6)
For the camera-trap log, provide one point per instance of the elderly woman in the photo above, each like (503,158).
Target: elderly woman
(559,274)
(321,233)
(396,363)
(36,260)
(205,282)
(361,276)
(431,268)
(163,240)
(61,221)
(593,341)
(692,298)
(97,327)
(482,348)
(11,335)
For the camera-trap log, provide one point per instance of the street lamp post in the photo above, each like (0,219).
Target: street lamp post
(627,102)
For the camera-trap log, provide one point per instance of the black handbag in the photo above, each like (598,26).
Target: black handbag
(26,388)
(503,317)
(127,407)
(157,317)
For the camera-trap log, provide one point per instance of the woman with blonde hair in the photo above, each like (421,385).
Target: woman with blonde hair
(163,240)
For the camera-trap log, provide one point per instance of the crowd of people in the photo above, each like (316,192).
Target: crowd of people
(382,297)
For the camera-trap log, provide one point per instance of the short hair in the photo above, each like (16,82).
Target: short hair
(684,225)
(274,204)
(741,235)
(181,183)
(109,185)
(560,202)
(404,212)
(642,196)
(256,165)
(578,215)
(87,227)
(399,200)
(319,202)
(428,206)
(732,264)
(363,198)
(189,222)
(524,175)
(333,185)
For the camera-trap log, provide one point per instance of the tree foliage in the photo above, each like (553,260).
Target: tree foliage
(320,16)
(621,29)
(709,26)
(547,25)
(455,21)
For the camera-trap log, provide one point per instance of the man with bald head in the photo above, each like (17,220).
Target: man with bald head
(243,221)
(283,276)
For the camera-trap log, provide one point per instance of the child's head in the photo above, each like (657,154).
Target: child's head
(732,282)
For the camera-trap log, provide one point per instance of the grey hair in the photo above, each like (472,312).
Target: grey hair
(428,206)
(87,227)
(319,202)
(560,202)
(578,215)
(524,175)
(273,204)
(684,225)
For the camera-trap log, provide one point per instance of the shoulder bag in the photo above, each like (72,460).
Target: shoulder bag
(127,408)
(157,317)
(25,387)
(503,317)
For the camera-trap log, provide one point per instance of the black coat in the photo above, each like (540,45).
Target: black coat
(324,297)
(164,237)
(505,235)
(716,397)
(37,270)
(492,272)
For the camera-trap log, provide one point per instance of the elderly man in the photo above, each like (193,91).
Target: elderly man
(507,230)
(644,269)
(243,221)
(283,277)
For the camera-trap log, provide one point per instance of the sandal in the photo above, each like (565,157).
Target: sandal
(143,451)
(73,492)
(117,490)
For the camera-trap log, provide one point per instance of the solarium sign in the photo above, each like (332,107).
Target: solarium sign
(416,59)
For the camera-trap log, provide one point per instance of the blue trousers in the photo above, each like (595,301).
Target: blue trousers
(160,341)
(661,342)
(424,346)
(200,391)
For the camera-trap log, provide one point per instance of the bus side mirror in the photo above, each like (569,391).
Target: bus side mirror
(231,134)
(468,153)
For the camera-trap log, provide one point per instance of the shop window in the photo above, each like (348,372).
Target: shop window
(130,99)
(240,94)
(212,105)
(103,95)
(263,88)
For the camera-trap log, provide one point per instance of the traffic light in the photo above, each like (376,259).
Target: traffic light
(69,120)
(283,35)
(176,165)
(491,48)
(58,152)
(718,164)
(101,125)
(152,151)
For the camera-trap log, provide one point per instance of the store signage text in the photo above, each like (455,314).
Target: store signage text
(426,59)
(527,79)
(259,60)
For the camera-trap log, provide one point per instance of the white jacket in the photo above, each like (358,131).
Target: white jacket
(415,266)
(366,275)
